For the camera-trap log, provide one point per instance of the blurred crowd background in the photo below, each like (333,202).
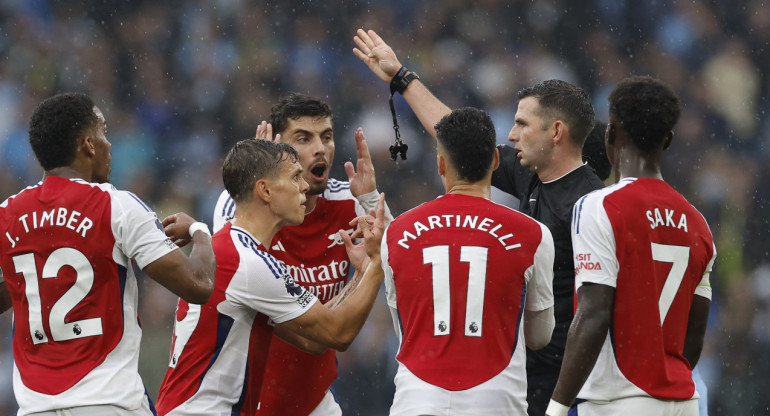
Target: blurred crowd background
(181,81)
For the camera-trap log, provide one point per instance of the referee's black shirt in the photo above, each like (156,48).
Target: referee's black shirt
(550,203)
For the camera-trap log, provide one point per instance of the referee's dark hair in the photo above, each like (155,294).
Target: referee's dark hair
(560,100)
(467,135)
(647,110)
(56,125)
(251,160)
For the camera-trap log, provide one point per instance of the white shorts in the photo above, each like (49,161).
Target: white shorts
(144,410)
(327,407)
(639,406)
(503,394)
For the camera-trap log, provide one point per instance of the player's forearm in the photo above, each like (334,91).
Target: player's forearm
(428,109)
(584,343)
(696,329)
(5,297)
(348,290)
(538,328)
(298,341)
(351,312)
(203,265)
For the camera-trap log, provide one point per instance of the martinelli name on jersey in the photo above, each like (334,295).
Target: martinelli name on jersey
(56,217)
(487,225)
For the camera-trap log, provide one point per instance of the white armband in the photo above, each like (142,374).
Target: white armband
(199,226)
(556,409)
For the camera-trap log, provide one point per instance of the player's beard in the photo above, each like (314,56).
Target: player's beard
(317,188)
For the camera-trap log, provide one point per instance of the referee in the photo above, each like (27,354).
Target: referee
(544,169)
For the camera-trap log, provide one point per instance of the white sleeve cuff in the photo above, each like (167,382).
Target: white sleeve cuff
(199,226)
(556,409)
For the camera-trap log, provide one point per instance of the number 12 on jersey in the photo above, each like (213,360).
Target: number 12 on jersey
(60,330)
(438,258)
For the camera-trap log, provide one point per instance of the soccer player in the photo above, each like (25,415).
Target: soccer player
(544,169)
(220,349)
(460,272)
(643,256)
(68,247)
(298,383)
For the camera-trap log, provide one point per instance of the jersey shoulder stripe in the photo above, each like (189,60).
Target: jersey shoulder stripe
(335,185)
(228,208)
(593,197)
(275,267)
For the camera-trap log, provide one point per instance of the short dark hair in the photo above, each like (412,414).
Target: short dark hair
(56,125)
(296,105)
(595,151)
(467,135)
(564,101)
(250,160)
(646,108)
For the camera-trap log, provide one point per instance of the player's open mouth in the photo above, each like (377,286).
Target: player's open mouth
(318,172)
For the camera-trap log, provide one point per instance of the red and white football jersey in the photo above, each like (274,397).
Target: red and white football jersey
(219,349)
(644,239)
(457,272)
(66,254)
(315,256)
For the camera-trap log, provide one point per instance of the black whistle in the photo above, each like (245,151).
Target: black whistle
(397,148)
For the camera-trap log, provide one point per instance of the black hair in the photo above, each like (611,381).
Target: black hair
(560,100)
(56,125)
(296,105)
(595,151)
(250,160)
(467,135)
(646,108)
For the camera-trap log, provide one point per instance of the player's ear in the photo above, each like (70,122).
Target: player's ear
(262,190)
(496,161)
(441,163)
(87,146)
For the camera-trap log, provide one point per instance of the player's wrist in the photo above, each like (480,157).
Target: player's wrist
(368,197)
(401,80)
(199,226)
(556,409)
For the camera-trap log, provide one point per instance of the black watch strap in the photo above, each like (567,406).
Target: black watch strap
(400,82)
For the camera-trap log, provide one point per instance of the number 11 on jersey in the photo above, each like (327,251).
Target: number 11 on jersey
(438,258)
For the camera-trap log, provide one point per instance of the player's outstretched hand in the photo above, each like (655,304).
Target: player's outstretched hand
(371,227)
(265,132)
(376,54)
(356,252)
(178,228)
(361,176)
